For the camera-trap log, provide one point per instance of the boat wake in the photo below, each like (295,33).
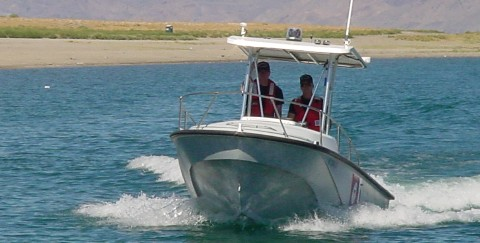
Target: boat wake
(144,211)
(148,211)
(165,167)
(422,204)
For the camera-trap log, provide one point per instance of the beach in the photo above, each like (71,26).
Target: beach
(35,53)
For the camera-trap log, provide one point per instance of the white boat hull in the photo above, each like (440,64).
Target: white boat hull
(264,178)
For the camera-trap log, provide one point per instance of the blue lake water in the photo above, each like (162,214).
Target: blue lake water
(85,153)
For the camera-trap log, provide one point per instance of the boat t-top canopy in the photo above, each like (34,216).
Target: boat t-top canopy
(294,51)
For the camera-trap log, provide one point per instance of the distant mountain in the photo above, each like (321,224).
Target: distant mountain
(444,15)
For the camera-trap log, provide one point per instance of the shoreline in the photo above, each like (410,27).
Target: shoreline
(42,53)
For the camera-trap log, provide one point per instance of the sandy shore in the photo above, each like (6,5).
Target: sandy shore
(27,53)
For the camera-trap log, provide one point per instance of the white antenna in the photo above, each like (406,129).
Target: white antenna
(347,40)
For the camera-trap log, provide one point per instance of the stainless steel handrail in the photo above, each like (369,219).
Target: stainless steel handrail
(185,117)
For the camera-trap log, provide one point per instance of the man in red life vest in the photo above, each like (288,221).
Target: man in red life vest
(267,88)
(297,112)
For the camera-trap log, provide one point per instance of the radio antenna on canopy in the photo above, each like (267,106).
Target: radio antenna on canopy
(347,40)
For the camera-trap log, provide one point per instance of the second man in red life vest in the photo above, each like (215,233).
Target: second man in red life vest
(297,112)
(267,88)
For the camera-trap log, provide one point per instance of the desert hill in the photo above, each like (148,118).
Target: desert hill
(453,16)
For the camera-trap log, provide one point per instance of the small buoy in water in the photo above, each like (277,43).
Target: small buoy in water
(47,86)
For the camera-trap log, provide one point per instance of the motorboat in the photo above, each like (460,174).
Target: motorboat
(269,169)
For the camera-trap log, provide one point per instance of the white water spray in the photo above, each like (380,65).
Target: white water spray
(422,204)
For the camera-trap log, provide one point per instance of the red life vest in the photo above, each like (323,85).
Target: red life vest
(268,108)
(313,118)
